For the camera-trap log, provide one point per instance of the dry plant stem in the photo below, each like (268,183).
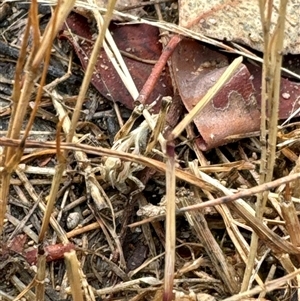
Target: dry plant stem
(287,264)
(24,290)
(276,243)
(170,221)
(6,296)
(263,138)
(273,241)
(92,184)
(268,279)
(269,105)
(27,230)
(244,193)
(72,265)
(44,73)
(21,224)
(160,123)
(40,278)
(124,286)
(35,58)
(224,268)
(99,151)
(208,96)
(18,74)
(59,170)
(292,224)
(91,67)
(157,69)
(234,233)
(289,267)
(232,228)
(19,80)
(31,191)
(115,268)
(55,183)
(149,239)
(84,229)
(15,122)
(170,178)
(268,287)
(110,232)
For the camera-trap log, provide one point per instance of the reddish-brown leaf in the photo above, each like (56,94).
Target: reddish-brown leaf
(236,107)
(142,41)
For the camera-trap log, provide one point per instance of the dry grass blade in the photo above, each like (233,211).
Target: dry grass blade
(171,180)
(275,242)
(170,222)
(12,158)
(92,184)
(14,221)
(208,96)
(20,100)
(224,268)
(124,286)
(99,151)
(292,224)
(74,277)
(269,106)
(31,191)
(90,68)
(59,170)
(25,290)
(244,193)
(268,287)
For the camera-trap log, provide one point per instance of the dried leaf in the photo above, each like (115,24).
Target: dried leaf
(142,41)
(235,109)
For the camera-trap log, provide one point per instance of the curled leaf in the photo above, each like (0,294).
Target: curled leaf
(235,110)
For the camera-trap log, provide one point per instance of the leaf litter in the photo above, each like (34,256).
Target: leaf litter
(92,183)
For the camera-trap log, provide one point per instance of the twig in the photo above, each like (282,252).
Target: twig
(157,69)
(244,193)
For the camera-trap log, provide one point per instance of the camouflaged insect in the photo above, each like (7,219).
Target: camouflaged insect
(118,172)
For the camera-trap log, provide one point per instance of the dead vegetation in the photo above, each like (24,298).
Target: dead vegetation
(101,202)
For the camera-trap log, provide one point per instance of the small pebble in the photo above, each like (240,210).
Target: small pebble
(286,95)
(73,220)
